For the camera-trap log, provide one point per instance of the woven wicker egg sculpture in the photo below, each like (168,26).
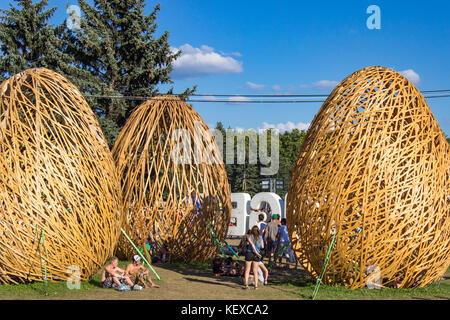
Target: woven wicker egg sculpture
(175,186)
(60,209)
(373,172)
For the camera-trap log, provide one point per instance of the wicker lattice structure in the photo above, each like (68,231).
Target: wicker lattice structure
(375,167)
(57,175)
(171,200)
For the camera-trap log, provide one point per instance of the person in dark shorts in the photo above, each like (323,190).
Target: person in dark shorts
(253,255)
(271,232)
(113,276)
(138,274)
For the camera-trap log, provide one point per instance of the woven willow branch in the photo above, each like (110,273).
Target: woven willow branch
(169,200)
(375,167)
(56,175)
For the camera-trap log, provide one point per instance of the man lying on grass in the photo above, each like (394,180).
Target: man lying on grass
(137,272)
(113,276)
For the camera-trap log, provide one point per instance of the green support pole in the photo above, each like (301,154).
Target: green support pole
(145,252)
(142,256)
(286,245)
(215,239)
(325,264)
(229,247)
(45,264)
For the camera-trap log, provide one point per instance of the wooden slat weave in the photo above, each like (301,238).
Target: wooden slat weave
(375,167)
(57,175)
(171,201)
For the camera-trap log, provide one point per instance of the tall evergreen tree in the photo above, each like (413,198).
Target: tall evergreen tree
(116,45)
(27,40)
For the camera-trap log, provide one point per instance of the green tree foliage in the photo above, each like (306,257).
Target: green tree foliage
(27,40)
(116,45)
(247,177)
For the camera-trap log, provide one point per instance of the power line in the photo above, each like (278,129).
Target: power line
(430,91)
(286,95)
(258,101)
(438,96)
(248,101)
(260,95)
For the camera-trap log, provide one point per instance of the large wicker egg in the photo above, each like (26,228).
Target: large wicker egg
(60,209)
(174,184)
(374,168)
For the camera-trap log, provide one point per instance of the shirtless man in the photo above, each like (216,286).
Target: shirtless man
(137,272)
(113,276)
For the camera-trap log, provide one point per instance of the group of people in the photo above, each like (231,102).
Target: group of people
(134,277)
(227,267)
(265,239)
(276,238)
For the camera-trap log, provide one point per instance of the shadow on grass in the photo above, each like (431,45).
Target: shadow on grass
(96,283)
(212,282)
(281,279)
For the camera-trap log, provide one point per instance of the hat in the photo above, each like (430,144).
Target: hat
(274,216)
(136,258)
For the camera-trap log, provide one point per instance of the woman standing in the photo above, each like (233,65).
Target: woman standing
(253,256)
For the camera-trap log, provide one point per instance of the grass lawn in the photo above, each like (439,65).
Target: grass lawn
(196,282)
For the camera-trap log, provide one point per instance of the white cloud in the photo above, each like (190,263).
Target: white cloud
(206,98)
(288,126)
(325,84)
(196,62)
(411,75)
(237,99)
(255,86)
(276,87)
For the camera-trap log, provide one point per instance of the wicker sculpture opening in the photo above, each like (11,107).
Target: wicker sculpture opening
(57,179)
(171,201)
(374,168)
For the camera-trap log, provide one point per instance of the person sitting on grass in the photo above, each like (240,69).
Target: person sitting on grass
(113,276)
(232,268)
(217,266)
(137,273)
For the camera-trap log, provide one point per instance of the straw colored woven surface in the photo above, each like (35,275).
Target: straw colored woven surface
(169,199)
(56,175)
(375,167)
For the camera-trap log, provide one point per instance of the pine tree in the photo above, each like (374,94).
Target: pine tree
(116,45)
(27,40)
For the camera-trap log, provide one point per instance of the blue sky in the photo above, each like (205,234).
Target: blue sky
(298,47)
